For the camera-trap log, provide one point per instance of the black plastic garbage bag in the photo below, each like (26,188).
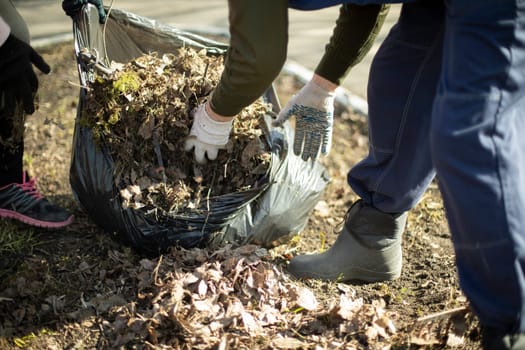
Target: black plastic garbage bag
(277,206)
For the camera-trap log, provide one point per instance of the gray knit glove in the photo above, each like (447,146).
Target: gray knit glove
(313,108)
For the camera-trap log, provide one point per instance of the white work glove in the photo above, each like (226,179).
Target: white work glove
(313,108)
(207,136)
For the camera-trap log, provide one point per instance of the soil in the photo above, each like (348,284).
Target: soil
(80,288)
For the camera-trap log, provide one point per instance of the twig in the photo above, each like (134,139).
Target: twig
(443,314)
(208,199)
(158,153)
(156,272)
(79,85)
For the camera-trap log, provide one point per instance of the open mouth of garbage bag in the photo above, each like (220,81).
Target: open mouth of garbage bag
(274,206)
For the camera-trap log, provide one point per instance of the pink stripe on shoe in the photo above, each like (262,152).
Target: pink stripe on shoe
(5,213)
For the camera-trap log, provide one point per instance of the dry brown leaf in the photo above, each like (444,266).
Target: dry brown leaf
(306,299)
(288,343)
(250,323)
(348,307)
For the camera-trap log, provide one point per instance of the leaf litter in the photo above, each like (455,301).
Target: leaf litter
(79,289)
(199,299)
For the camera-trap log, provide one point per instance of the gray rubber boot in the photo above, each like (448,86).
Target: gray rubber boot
(367,249)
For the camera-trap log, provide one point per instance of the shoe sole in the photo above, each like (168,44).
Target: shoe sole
(355,275)
(33,222)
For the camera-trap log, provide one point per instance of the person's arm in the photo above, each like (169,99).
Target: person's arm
(4,31)
(353,36)
(18,81)
(313,106)
(256,55)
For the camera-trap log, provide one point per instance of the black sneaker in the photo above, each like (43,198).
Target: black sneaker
(23,202)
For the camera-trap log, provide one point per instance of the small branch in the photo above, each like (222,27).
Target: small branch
(442,315)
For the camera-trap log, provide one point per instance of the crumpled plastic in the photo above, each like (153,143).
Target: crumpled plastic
(275,208)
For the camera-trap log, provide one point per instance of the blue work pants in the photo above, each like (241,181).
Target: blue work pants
(447,96)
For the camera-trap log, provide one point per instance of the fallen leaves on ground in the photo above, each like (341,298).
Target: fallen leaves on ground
(73,288)
(197,298)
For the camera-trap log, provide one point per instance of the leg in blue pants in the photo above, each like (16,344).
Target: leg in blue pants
(393,177)
(401,89)
(446,97)
(478,149)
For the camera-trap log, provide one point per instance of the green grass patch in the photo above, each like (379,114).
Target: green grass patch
(15,242)
(16,239)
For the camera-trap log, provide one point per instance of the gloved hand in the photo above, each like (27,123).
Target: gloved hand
(18,81)
(71,7)
(207,136)
(313,108)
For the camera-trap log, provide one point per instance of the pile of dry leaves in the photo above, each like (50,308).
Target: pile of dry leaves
(141,112)
(202,297)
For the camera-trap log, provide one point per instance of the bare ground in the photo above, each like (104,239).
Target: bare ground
(77,288)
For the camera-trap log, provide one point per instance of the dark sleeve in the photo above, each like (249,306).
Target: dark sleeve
(256,55)
(354,33)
